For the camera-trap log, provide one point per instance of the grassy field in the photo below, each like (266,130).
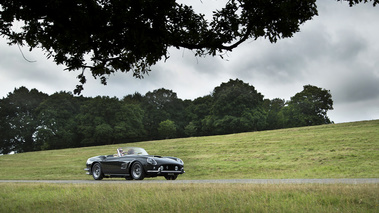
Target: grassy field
(348,150)
(188,198)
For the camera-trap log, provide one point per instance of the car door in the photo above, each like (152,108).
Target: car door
(116,165)
(111,165)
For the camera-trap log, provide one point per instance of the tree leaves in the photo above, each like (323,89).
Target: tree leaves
(133,35)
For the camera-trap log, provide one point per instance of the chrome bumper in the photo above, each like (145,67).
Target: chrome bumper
(87,169)
(160,171)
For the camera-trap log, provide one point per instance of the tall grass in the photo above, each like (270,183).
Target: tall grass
(348,150)
(188,198)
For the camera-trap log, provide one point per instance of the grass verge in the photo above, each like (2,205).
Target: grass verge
(39,197)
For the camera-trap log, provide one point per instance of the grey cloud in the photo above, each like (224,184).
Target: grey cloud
(359,86)
(338,51)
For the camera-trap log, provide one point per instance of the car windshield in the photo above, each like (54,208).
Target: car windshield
(131,151)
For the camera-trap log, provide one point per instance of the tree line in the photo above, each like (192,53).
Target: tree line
(31,120)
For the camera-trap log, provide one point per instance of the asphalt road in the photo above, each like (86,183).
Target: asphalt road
(243,181)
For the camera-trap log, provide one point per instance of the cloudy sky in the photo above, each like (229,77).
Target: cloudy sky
(337,50)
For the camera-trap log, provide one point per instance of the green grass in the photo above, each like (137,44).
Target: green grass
(348,150)
(137,197)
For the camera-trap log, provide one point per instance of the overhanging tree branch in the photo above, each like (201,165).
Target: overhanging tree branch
(126,35)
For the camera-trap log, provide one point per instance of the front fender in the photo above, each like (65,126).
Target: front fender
(130,163)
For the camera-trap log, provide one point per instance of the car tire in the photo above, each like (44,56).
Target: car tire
(137,171)
(97,172)
(171,177)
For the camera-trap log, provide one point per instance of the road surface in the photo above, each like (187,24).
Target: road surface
(243,181)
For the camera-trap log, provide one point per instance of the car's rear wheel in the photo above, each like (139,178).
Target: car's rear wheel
(97,173)
(171,177)
(137,171)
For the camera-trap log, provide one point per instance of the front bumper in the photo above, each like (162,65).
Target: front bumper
(166,170)
(88,171)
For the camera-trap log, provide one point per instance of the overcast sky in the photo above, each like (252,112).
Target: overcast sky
(337,50)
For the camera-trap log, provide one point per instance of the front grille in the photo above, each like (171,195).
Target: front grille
(171,167)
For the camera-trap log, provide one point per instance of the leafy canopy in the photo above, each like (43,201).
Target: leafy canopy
(106,36)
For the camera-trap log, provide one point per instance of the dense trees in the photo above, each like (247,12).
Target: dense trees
(19,120)
(132,35)
(31,120)
(161,105)
(58,122)
(236,107)
(309,107)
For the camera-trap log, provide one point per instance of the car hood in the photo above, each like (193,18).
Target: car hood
(165,159)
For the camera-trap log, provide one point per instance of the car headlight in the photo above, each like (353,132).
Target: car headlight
(151,161)
(179,160)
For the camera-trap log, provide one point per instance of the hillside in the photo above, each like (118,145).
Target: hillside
(348,150)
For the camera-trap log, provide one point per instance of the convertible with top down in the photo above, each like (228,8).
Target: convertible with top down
(134,163)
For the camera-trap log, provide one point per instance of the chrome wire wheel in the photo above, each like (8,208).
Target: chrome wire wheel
(96,172)
(137,171)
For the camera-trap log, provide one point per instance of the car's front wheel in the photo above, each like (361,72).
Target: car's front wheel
(137,171)
(97,173)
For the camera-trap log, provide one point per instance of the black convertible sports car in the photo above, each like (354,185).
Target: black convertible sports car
(133,163)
